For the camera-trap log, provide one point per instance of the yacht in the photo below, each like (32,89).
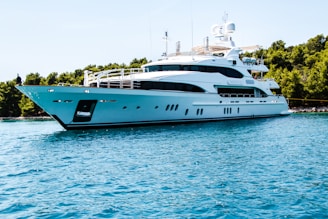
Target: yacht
(210,83)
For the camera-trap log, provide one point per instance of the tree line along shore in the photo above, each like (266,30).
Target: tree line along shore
(301,71)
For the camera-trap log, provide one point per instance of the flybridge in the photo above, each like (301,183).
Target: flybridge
(223,47)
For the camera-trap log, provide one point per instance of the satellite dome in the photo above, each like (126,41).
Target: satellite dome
(230,27)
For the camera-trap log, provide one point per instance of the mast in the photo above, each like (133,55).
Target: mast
(166,39)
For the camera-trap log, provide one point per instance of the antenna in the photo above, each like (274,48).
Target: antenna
(206,44)
(225,17)
(177,48)
(166,39)
(192,25)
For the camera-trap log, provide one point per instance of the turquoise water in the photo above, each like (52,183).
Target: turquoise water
(261,168)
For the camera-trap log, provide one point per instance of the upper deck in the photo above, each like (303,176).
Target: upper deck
(222,60)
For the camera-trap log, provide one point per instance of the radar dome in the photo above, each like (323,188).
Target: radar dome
(230,27)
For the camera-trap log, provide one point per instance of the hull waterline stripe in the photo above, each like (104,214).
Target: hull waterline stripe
(142,123)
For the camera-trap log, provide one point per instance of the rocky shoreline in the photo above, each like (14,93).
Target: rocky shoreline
(303,109)
(34,118)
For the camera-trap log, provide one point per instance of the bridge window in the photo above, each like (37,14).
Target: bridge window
(240,92)
(155,85)
(228,72)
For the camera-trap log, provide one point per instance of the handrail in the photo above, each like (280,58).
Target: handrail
(120,75)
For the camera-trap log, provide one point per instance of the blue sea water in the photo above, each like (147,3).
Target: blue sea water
(258,168)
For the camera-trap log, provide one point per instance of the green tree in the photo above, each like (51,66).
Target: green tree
(291,84)
(277,74)
(278,45)
(66,78)
(33,79)
(91,68)
(310,60)
(52,78)
(28,108)
(137,63)
(9,98)
(278,56)
(79,76)
(297,56)
(316,44)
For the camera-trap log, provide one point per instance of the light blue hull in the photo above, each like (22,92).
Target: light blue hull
(86,107)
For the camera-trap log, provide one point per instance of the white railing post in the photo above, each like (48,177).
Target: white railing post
(121,79)
(86,78)
(131,78)
(98,81)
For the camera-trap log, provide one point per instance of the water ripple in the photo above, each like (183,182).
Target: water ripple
(266,168)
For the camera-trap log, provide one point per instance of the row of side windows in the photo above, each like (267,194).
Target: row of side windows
(241,92)
(174,107)
(228,110)
(229,72)
(156,85)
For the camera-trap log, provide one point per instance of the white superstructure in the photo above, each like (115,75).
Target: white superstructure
(210,83)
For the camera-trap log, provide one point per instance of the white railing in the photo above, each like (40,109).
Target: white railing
(120,77)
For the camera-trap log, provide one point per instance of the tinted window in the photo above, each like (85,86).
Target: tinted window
(241,92)
(171,67)
(154,85)
(229,72)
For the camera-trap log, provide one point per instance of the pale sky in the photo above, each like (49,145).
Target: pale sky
(45,36)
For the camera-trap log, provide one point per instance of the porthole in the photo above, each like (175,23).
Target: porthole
(172,106)
(186,112)
(227,110)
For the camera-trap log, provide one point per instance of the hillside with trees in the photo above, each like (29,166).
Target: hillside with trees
(301,71)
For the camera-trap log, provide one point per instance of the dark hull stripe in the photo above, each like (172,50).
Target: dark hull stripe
(144,123)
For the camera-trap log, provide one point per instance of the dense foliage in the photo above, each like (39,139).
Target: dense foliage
(301,71)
